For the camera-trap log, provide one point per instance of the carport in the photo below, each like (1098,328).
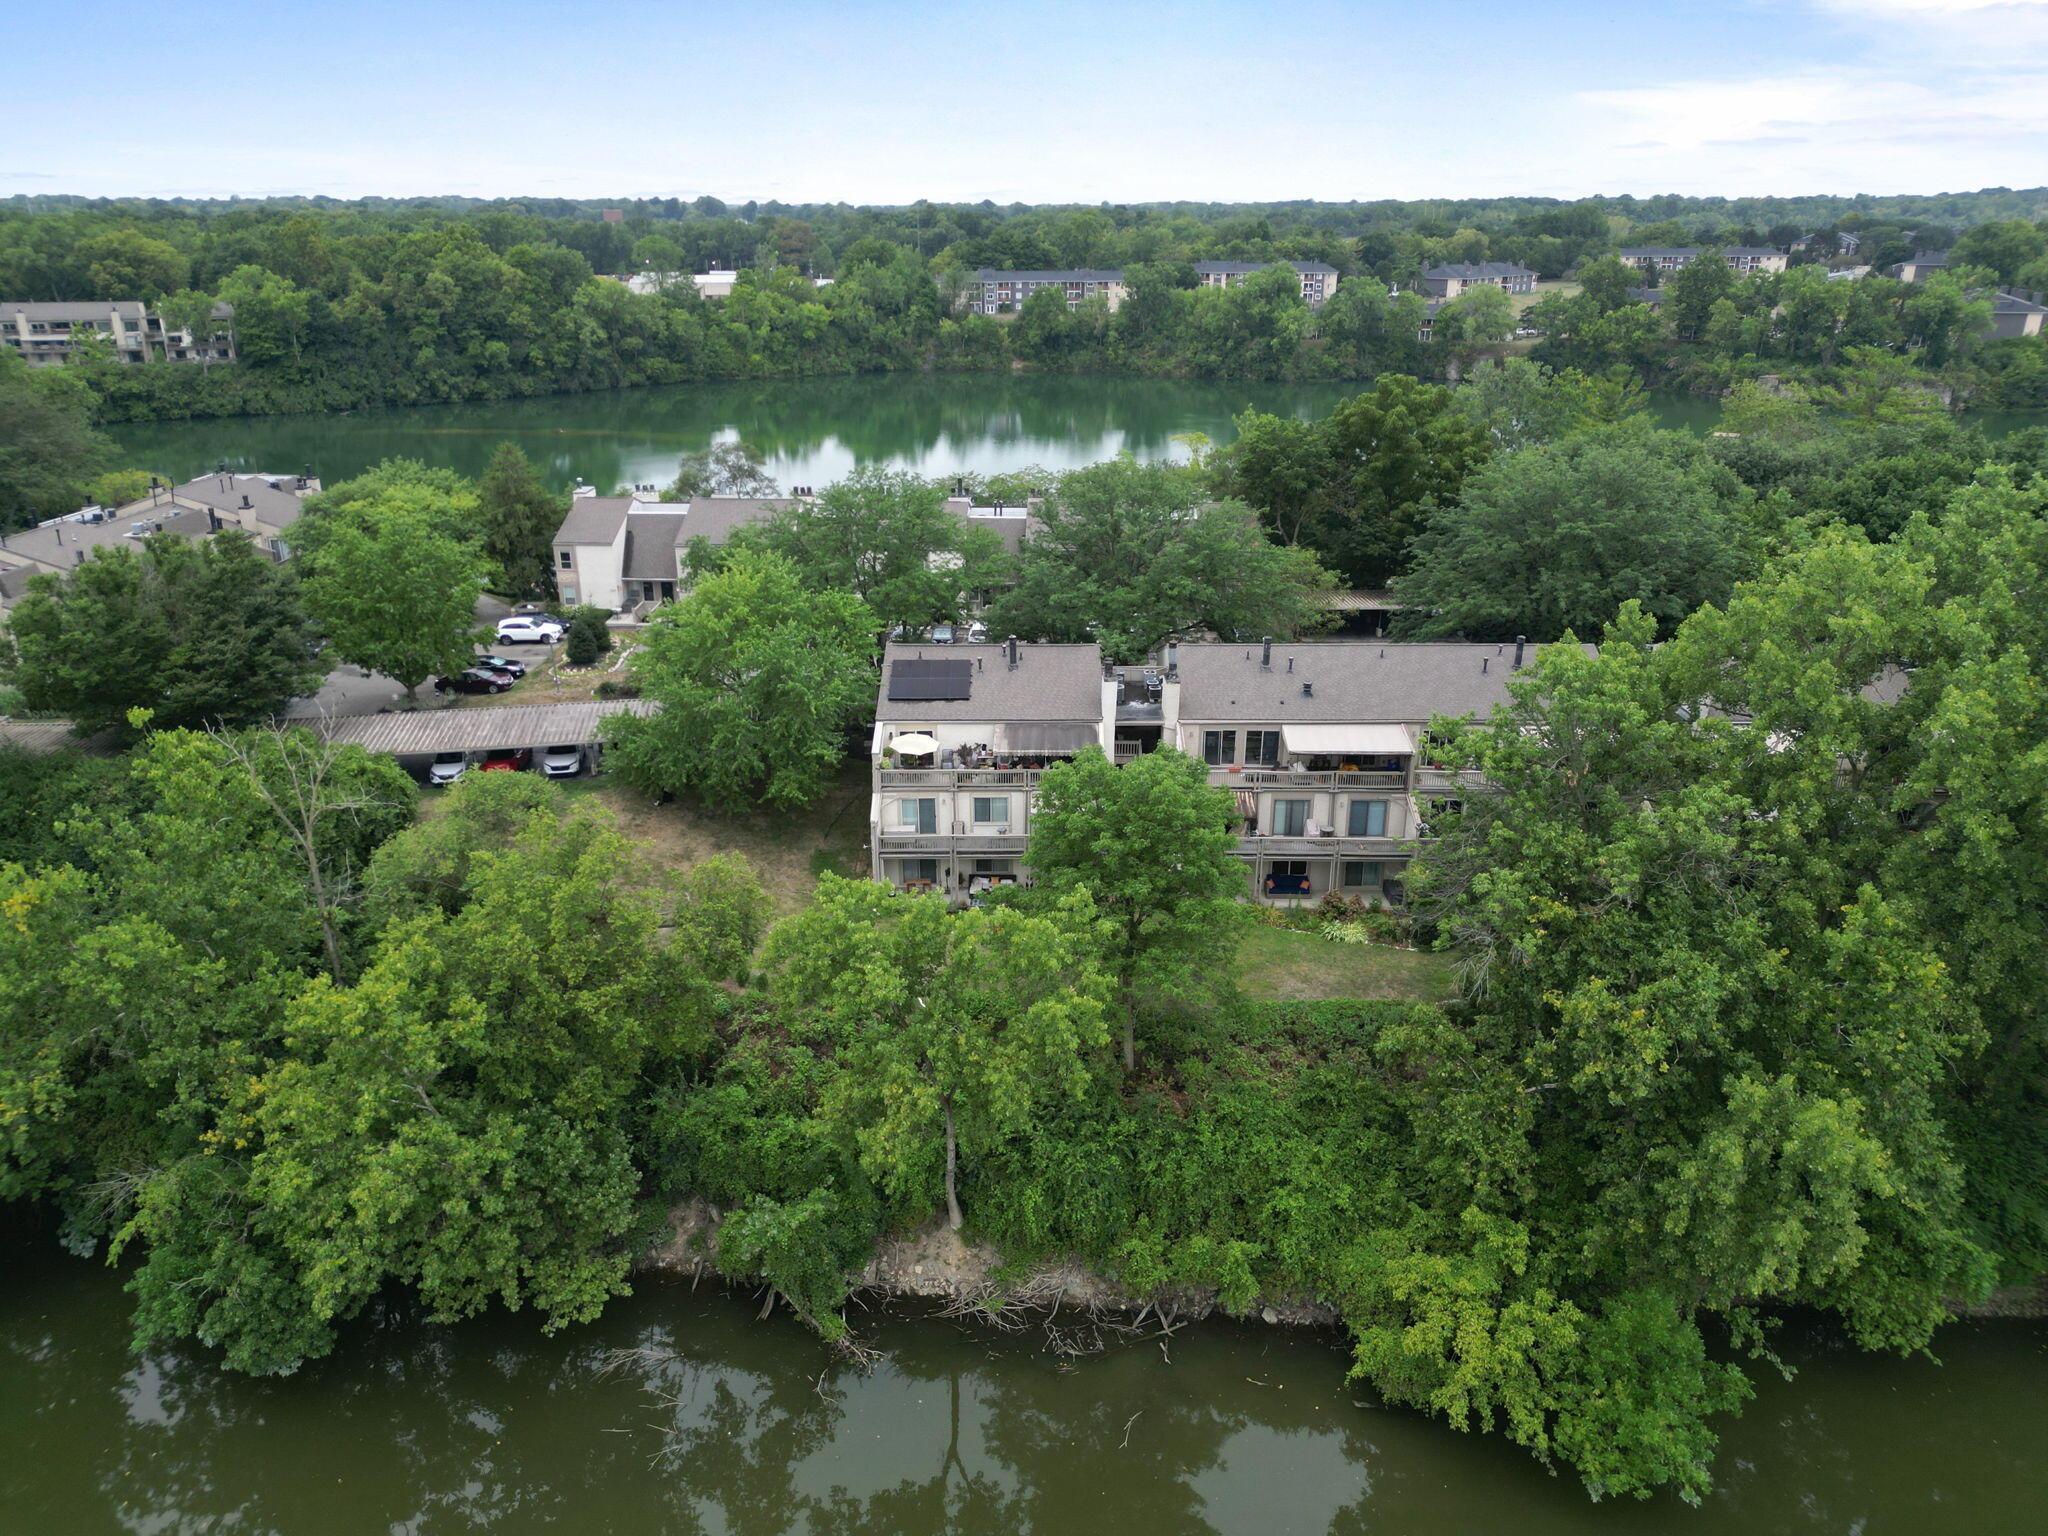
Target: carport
(416,739)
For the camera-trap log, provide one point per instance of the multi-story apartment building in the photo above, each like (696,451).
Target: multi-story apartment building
(43,333)
(998,292)
(962,733)
(263,506)
(1318,281)
(1322,744)
(1452,278)
(1658,259)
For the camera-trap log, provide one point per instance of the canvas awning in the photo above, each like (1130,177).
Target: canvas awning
(1050,737)
(1347,740)
(913,744)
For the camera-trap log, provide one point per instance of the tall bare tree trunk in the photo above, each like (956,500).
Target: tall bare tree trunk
(952,1168)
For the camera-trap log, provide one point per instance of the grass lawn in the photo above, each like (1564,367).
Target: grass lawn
(1284,964)
(788,849)
(549,677)
(1554,289)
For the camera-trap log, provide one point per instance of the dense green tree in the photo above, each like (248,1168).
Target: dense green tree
(2003,245)
(1151,844)
(757,677)
(1397,450)
(951,1028)
(1558,536)
(1519,402)
(196,632)
(1133,555)
(1694,290)
(393,593)
(517,517)
(48,447)
(890,539)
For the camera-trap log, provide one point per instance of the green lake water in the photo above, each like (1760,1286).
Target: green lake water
(680,1412)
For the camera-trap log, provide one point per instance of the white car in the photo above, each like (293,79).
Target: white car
(447,767)
(528,629)
(561,762)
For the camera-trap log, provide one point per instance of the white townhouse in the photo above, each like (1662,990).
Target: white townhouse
(627,552)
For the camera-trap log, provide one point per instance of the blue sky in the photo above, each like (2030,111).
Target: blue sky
(1017,101)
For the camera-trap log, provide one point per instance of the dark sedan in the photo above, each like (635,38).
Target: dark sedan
(473,680)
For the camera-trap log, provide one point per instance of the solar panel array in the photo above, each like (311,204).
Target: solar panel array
(924,679)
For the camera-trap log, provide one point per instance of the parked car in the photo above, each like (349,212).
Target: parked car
(563,762)
(942,634)
(505,760)
(473,680)
(528,629)
(447,767)
(502,664)
(496,670)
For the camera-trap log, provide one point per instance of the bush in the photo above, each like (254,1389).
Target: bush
(589,638)
(618,688)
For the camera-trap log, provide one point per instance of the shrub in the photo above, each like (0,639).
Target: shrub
(589,638)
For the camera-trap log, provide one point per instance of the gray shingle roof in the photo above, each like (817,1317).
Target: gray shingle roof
(1473,270)
(593,519)
(58,545)
(651,539)
(1075,275)
(1235,267)
(273,498)
(2013,304)
(1051,682)
(1365,681)
(716,517)
(96,309)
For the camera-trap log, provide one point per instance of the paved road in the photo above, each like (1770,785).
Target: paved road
(352,691)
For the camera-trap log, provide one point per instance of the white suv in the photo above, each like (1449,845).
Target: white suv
(563,762)
(528,628)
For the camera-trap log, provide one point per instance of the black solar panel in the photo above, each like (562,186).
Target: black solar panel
(930,679)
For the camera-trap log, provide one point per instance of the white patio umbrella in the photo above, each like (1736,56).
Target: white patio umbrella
(913,744)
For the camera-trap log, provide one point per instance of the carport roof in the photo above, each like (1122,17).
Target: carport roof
(484,729)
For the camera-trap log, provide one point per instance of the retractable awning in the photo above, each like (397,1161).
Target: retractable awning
(1050,737)
(1347,740)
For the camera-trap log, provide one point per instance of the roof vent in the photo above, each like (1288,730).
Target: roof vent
(1012,648)
(1520,642)
(1308,690)
(1266,654)
(246,503)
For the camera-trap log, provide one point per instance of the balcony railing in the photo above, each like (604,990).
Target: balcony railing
(1326,847)
(959,778)
(1304,778)
(981,840)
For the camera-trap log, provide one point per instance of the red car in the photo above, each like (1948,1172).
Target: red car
(506,760)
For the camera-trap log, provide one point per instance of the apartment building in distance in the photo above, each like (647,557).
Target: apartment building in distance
(43,334)
(1449,279)
(1323,745)
(1922,265)
(263,506)
(997,292)
(1318,280)
(1656,260)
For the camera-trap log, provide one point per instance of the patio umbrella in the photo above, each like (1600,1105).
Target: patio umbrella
(914,744)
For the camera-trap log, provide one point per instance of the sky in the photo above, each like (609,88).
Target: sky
(1020,102)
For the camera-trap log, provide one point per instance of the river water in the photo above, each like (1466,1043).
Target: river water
(814,430)
(680,1412)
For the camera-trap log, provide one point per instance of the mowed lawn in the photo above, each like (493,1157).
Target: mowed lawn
(1284,964)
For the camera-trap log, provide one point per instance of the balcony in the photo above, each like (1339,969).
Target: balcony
(892,843)
(1273,847)
(1304,778)
(959,778)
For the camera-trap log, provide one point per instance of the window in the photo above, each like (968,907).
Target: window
(914,870)
(1219,747)
(1006,867)
(568,561)
(1262,748)
(991,809)
(1360,875)
(1290,818)
(918,815)
(1287,877)
(1368,818)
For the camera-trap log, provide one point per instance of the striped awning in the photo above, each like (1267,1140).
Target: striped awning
(1247,803)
